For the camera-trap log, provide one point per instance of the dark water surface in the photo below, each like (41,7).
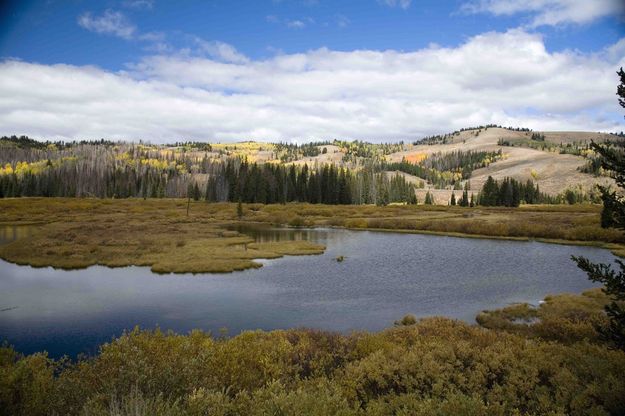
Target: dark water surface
(384,276)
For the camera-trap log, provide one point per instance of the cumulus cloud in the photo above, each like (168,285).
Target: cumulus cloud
(505,78)
(110,23)
(549,12)
(404,4)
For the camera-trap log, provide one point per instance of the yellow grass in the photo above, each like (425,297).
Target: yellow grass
(77,233)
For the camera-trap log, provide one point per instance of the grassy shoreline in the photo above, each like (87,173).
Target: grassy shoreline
(616,249)
(78,233)
(521,361)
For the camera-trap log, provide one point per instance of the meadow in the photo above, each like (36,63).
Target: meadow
(76,233)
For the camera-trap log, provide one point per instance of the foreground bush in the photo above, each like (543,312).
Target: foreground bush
(436,366)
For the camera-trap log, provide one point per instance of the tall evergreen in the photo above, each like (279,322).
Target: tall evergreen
(428,199)
(612,159)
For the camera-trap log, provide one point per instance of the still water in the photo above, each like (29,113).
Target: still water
(383,277)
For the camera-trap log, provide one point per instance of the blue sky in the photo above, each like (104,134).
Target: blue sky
(47,31)
(234,58)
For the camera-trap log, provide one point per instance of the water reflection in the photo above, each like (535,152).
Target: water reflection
(265,233)
(383,277)
(10,233)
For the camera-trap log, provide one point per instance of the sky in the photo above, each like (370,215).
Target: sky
(301,70)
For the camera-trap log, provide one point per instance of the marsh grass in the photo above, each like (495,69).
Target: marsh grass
(565,317)
(77,233)
(81,233)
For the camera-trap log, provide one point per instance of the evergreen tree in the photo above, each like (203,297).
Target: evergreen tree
(239,209)
(490,193)
(428,199)
(612,159)
(464,201)
(453,199)
(383,200)
(196,192)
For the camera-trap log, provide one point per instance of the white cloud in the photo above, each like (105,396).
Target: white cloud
(221,51)
(404,4)
(549,12)
(290,23)
(295,24)
(505,78)
(110,23)
(139,4)
(342,21)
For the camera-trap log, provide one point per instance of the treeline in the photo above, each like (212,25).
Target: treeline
(124,171)
(289,152)
(444,138)
(361,149)
(510,193)
(201,146)
(119,171)
(25,142)
(239,180)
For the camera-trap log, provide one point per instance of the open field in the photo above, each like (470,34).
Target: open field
(76,233)
(557,365)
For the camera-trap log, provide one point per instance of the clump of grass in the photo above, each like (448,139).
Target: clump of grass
(297,221)
(407,320)
(565,317)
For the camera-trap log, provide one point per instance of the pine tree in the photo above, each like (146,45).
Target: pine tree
(428,199)
(196,192)
(490,192)
(612,159)
(239,209)
(453,199)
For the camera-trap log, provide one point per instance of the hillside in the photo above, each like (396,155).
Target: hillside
(552,171)
(559,163)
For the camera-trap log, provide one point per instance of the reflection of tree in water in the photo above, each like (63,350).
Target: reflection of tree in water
(9,233)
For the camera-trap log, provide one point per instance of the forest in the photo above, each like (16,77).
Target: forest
(105,169)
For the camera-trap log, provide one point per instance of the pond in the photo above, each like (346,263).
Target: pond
(383,277)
